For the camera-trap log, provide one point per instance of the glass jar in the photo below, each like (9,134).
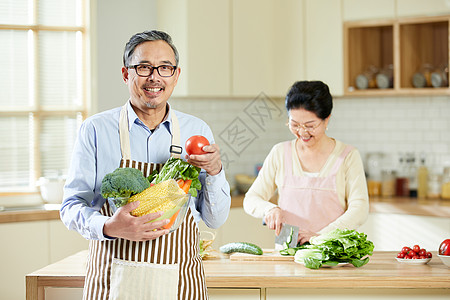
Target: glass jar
(439,78)
(388,183)
(385,78)
(367,79)
(434,186)
(422,78)
(445,194)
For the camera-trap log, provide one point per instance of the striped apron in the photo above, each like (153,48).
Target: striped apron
(168,267)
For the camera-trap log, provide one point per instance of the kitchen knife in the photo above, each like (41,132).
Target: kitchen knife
(284,235)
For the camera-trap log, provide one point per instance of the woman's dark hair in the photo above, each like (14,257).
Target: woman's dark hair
(313,96)
(147,36)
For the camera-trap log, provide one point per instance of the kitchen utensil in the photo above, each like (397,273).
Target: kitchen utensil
(285,232)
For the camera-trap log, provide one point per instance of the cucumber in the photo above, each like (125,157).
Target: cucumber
(242,247)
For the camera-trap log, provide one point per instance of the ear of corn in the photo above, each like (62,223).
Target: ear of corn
(159,197)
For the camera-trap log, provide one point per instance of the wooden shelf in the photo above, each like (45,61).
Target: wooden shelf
(407,45)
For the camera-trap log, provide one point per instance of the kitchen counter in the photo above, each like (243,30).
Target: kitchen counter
(407,206)
(382,272)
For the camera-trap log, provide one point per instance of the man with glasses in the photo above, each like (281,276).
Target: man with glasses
(320,181)
(129,257)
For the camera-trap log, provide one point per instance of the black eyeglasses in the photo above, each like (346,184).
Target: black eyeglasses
(145,70)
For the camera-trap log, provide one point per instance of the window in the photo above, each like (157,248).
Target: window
(43,94)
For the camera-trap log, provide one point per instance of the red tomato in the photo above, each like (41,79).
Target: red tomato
(416,248)
(444,248)
(422,252)
(401,255)
(429,255)
(194,145)
(405,249)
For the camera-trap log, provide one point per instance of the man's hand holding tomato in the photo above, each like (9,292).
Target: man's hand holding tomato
(203,155)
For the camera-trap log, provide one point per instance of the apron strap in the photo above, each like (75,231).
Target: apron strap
(340,160)
(124,134)
(175,148)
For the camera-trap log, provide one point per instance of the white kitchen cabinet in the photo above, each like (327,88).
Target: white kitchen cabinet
(267,46)
(235,48)
(356,294)
(410,8)
(353,10)
(235,294)
(29,246)
(324,43)
(25,248)
(200,30)
(64,242)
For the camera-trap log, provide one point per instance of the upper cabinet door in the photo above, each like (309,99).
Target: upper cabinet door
(201,31)
(409,8)
(267,46)
(323,43)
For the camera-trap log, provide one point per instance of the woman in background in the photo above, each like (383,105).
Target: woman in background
(321,181)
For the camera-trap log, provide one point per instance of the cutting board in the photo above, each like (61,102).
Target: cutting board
(268,254)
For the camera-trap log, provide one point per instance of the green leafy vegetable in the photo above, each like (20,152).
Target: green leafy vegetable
(123,183)
(337,246)
(176,168)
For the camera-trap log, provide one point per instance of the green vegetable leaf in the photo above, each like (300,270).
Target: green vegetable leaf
(359,262)
(312,263)
(176,168)
(338,246)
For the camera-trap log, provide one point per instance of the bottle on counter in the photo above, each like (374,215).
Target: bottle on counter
(434,186)
(374,162)
(402,182)
(445,194)
(388,183)
(422,178)
(412,175)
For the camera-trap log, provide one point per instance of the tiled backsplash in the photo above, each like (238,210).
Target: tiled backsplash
(247,128)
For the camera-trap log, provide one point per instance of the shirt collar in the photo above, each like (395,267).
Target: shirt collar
(133,118)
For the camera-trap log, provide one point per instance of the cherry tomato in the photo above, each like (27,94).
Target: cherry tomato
(405,249)
(429,255)
(422,252)
(444,247)
(416,248)
(194,145)
(423,257)
(401,255)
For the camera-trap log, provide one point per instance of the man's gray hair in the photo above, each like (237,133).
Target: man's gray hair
(146,36)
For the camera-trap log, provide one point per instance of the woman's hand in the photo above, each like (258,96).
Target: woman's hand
(304,236)
(274,219)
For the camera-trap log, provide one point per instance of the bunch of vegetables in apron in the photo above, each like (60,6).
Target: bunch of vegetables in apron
(166,190)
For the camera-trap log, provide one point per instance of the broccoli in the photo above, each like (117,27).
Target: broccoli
(123,183)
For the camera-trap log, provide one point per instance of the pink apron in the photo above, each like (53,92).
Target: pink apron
(311,203)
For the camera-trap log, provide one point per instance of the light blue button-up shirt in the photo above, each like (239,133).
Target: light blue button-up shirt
(97,152)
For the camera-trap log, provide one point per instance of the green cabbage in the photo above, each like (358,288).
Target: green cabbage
(337,246)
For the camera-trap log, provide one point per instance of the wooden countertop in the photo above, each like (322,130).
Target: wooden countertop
(409,206)
(382,271)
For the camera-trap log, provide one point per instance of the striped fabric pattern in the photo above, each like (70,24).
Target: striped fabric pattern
(179,247)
